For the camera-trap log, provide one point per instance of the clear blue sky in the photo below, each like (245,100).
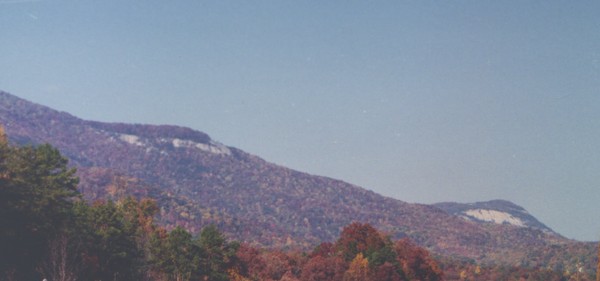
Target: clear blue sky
(421,101)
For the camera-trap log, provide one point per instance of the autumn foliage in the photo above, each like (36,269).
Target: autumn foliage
(416,262)
(48,231)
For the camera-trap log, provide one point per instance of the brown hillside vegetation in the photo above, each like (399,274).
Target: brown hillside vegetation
(198,182)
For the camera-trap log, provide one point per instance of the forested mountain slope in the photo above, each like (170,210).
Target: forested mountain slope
(198,181)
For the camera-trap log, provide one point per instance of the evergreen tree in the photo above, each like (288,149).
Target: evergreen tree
(37,190)
(180,256)
(112,246)
(217,254)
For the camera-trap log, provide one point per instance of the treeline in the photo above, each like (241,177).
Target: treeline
(48,231)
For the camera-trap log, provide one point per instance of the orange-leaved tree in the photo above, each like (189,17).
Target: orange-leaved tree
(416,262)
(358,269)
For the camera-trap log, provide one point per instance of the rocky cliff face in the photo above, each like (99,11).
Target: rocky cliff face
(496,212)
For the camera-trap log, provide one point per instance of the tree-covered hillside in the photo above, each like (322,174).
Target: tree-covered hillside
(196,182)
(48,231)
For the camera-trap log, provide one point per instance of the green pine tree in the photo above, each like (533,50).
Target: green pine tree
(37,191)
(218,254)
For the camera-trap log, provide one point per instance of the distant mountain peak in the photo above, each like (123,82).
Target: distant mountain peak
(493,216)
(494,211)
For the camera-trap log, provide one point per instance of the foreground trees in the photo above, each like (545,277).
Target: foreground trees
(37,190)
(361,253)
(366,254)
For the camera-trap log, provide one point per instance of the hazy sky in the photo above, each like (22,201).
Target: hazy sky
(421,101)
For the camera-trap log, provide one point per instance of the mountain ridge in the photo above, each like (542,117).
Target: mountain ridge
(496,211)
(198,181)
